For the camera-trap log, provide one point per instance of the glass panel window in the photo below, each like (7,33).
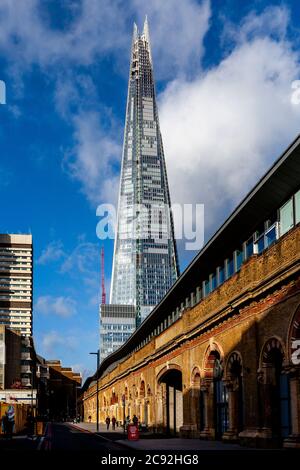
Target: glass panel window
(286,217)
(213,281)
(249,248)
(206,288)
(198,294)
(221,276)
(297,207)
(238,259)
(271,236)
(230,268)
(260,244)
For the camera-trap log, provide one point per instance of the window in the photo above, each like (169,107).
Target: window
(238,259)
(286,217)
(249,248)
(259,244)
(206,289)
(198,294)
(271,235)
(221,276)
(230,268)
(297,207)
(213,281)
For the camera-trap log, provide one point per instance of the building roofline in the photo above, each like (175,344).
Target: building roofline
(123,350)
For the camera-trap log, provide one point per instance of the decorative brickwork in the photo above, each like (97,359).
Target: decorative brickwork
(225,365)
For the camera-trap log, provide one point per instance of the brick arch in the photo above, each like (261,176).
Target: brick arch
(293,332)
(195,376)
(142,390)
(272,344)
(234,357)
(212,353)
(166,369)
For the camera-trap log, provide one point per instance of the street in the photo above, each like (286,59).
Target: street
(80,445)
(65,437)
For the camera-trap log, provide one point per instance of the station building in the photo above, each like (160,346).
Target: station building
(219,356)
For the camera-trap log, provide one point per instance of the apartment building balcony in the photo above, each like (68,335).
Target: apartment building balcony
(25,355)
(26,382)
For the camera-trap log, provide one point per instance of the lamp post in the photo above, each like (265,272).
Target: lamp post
(76,402)
(97,378)
(124,417)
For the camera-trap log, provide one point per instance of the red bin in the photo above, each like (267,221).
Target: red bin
(133,432)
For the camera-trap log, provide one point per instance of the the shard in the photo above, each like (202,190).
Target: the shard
(145,256)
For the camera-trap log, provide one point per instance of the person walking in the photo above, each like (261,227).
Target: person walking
(30,424)
(10,421)
(135,420)
(107,422)
(4,424)
(113,422)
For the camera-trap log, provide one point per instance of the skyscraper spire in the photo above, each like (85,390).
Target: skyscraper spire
(146,35)
(135,32)
(145,256)
(146,28)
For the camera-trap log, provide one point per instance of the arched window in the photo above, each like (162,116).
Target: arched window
(234,375)
(214,373)
(142,389)
(275,389)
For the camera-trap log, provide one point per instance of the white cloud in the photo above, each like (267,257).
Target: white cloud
(177,30)
(93,158)
(26,32)
(223,129)
(82,259)
(61,306)
(94,29)
(53,342)
(272,21)
(53,252)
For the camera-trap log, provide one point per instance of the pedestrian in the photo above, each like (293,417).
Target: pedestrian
(107,422)
(127,422)
(90,419)
(113,422)
(30,424)
(4,424)
(10,421)
(135,420)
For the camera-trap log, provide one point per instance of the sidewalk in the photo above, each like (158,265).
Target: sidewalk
(108,434)
(18,443)
(180,444)
(158,443)
(92,427)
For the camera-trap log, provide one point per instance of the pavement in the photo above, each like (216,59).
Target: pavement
(159,442)
(19,443)
(70,437)
(111,434)
(79,445)
(180,444)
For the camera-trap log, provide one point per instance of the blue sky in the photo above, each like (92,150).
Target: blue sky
(224,71)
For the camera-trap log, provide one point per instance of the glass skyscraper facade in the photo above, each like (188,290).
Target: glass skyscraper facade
(117,323)
(145,256)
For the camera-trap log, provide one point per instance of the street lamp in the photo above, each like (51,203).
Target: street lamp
(77,387)
(97,377)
